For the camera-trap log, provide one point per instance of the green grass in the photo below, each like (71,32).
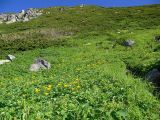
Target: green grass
(88,78)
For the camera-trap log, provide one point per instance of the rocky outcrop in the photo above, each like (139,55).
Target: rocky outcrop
(23,16)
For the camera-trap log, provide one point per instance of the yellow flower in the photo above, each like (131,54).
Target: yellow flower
(49,86)
(59,84)
(74,82)
(37,90)
(78,86)
(78,69)
(65,85)
(73,89)
(46,93)
(77,80)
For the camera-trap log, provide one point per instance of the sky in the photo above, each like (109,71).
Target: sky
(18,5)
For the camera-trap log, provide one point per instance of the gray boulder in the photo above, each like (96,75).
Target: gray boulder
(154,76)
(44,64)
(40,64)
(128,43)
(10,57)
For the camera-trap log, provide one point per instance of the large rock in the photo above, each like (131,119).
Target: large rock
(154,76)
(40,64)
(11,18)
(128,43)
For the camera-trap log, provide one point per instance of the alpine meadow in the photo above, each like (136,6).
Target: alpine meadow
(98,58)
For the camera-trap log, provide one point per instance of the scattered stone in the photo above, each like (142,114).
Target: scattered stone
(40,64)
(48,12)
(128,43)
(4,61)
(157,38)
(61,9)
(87,44)
(154,76)
(10,57)
(82,5)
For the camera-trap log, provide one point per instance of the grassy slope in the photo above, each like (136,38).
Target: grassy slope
(88,77)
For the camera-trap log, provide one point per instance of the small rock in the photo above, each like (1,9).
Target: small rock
(4,61)
(61,9)
(22,12)
(10,57)
(157,38)
(154,76)
(1,21)
(128,43)
(82,5)
(87,44)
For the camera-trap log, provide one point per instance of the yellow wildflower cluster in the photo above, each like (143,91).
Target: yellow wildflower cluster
(46,89)
(74,85)
(37,90)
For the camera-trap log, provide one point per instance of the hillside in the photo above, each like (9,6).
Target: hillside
(93,75)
